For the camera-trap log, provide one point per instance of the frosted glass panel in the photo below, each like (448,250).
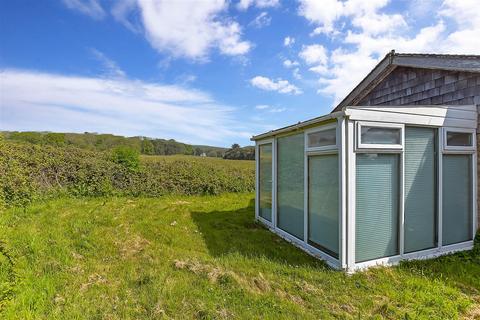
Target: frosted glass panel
(265,181)
(420,189)
(376,206)
(323,203)
(379,135)
(322,138)
(457,195)
(290,166)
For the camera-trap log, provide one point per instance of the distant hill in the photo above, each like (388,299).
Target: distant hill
(102,142)
(148,146)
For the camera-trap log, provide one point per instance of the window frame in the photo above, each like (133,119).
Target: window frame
(374,146)
(324,127)
(257,180)
(458,149)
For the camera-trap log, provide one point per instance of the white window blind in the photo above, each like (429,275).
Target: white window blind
(290,175)
(377,193)
(265,181)
(457,195)
(420,189)
(323,196)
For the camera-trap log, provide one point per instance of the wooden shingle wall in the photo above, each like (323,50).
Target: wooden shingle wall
(415,86)
(410,86)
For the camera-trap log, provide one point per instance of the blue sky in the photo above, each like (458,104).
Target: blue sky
(210,72)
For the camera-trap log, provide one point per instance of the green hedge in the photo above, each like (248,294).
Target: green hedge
(29,172)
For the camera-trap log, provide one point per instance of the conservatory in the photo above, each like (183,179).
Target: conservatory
(372,185)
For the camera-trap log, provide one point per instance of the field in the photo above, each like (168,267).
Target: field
(201,257)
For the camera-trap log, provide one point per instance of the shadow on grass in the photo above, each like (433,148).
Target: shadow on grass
(236,232)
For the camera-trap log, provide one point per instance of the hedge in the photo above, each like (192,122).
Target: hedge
(29,172)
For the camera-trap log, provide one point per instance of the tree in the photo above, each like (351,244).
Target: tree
(237,153)
(147,147)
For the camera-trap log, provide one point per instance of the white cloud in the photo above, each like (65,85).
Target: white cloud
(465,14)
(178,28)
(110,67)
(281,86)
(296,73)
(292,64)
(45,101)
(323,13)
(186,30)
(321,69)
(314,54)
(91,8)
(277,110)
(245,4)
(262,20)
(288,41)
(363,15)
(267,108)
(289,63)
(123,10)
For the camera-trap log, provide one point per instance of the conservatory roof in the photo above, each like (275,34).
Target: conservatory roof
(299,125)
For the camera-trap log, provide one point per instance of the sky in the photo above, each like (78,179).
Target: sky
(205,72)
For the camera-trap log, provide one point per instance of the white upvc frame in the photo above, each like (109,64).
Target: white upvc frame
(374,146)
(424,254)
(458,149)
(347,146)
(257,181)
(356,147)
(472,151)
(321,128)
(326,150)
(300,243)
(439,249)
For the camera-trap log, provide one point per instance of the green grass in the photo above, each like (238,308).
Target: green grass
(201,257)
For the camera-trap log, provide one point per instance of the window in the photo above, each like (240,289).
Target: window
(377,203)
(265,181)
(290,184)
(457,198)
(458,140)
(323,203)
(379,135)
(322,138)
(420,189)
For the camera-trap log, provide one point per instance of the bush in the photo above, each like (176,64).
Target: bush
(127,157)
(29,172)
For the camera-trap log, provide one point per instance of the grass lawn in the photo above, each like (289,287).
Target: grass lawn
(203,258)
